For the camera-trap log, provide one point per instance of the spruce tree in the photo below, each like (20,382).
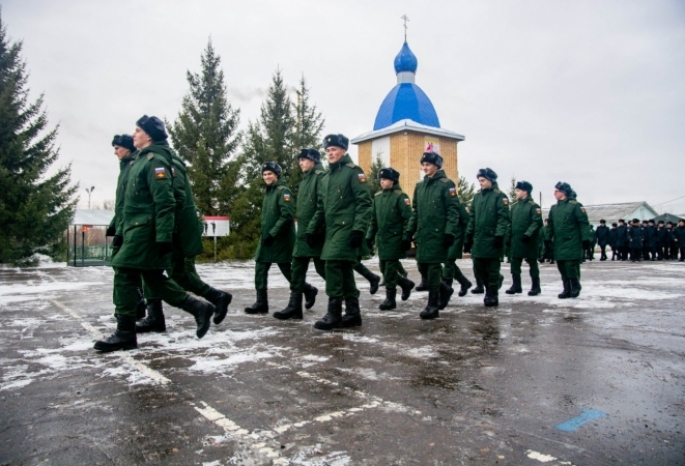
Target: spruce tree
(372,177)
(35,209)
(307,133)
(205,135)
(465,191)
(512,192)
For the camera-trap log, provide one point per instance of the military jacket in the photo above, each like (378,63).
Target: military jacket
(569,226)
(489,218)
(435,213)
(343,206)
(612,237)
(148,213)
(602,235)
(278,220)
(621,236)
(679,234)
(389,219)
(650,236)
(636,237)
(307,196)
(124,168)
(526,220)
(661,236)
(456,250)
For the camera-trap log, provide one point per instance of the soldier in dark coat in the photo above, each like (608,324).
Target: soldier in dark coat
(278,234)
(612,242)
(389,219)
(650,241)
(622,240)
(660,239)
(486,231)
(451,270)
(344,210)
(569,227)
(602,238)
(523,231)
(635,241)
(672,253)
(679,238)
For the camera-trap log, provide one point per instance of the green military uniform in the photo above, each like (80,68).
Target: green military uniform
(524,232)
(451,270)
(569,228)
(486,231)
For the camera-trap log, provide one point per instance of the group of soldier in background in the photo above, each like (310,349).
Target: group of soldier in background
(648,240)
(157,229)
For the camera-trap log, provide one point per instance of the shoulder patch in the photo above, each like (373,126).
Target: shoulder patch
(407,201)
(286,197)
(453,192)
(318,172)
(445,180)
(531,202)
(573,201)
(150,155)
(505,201)
(378,193)
(160,173)
(361,177)
(582,209)
(351,165)
(280,188)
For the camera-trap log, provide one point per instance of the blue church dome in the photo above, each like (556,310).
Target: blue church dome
(406,60)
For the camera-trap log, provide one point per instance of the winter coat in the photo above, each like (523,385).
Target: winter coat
(621,236)
(650,236)
(307,195)
(526,220)
(389,219)
(635,237)
(278,220)
(489,218)
(569,226)
(679,236)
(456,250)
(124,169)
(602,235)
(612,238)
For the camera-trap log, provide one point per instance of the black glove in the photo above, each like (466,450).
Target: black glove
(111,231)
(586,244)
(164,248)
(309,239)
(467,248)
(268,241)
(525,239)
(356,238)
(406,243)
(447,240)
(117,241)
(498,241)
(369,242)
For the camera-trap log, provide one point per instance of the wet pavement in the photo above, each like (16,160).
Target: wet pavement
(591,381)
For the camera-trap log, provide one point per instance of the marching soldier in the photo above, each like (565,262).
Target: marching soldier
(548,240)
(307,194)
(602,237)
(590,251)
(650,241)
(660,239)
(635,240)
(344,209)
(148,226)
(485,233)
(672,253)
(622,240)
(524,230)
(613,234)
(679,239)
(451,271)
(278,234)
(568,225)
(435,222)
(389,219)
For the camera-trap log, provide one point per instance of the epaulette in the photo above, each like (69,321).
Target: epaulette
(351,165)
(150,155)
(280,188)
(398,192)
(497,191)
(531,202)
(378,193)
(573,201)
(318,172)
(445,180)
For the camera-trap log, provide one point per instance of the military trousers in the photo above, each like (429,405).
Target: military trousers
(488,270)
(391,272)
(127,281)
(452,272)
(569,269)
(261,273)
(340,279)
(516,266)
(300,265)
(433,273)
(184,273)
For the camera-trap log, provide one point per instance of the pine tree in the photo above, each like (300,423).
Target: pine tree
(372,177)
(465,191)
(35,210)
(512,192)
(307,134)
(205,135)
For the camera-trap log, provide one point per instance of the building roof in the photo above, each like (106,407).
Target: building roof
(613,212)
(95,217)
(407,125)
(669,218)
(406,60)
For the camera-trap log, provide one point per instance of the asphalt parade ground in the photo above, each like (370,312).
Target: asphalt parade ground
(591,381)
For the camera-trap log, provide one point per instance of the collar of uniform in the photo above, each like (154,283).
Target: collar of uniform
(128,158)
(314,169)
(491,188)
(438,174)
(343,161)
(279,182)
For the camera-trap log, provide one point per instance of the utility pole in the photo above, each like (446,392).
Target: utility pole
(90,191)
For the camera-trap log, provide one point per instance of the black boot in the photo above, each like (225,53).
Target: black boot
(423,286)
(221,300)
(491,298)
(261,306)
(479,287)
(444,295)
(574,290)
(374,282)
(123,338)
(389,302)
(353,315)
(406,285)
(567,290)
(154,322)
(140,310)
(293,310)
(516,286)
(333,318)
(202,311)
(310,293)
(535,289)
(465,285)
(431,311)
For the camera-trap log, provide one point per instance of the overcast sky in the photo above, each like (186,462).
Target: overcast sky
(588,92)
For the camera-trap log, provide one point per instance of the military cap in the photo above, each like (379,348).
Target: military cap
(614,224)
(661,222)
(487,173)
(564,188)
(670,223)
(272,167)
(389,174)
(651,220)
(524,186)
(335,140)
(636,220)
(153,126)
(310,154)
(620,220)
(432,157)
(123,140)
(602,221)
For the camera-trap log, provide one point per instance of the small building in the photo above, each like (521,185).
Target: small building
(407,125)
(613,212)
(669,218)
(87,243)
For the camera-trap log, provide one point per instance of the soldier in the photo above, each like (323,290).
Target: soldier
(187,243)
(635,240)
(278,234)
(524,230)
(433,226)
(672,253)
(622,240)
(124,150)
(344,208)
(602,238)
(389,219)
(660,239)
(650,241)
(613,233)
(679,239)
(549,243)
(307,194)
(590,251)
(568,224)
(451,270)
(147,228)
(487,226)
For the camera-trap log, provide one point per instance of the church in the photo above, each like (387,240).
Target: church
(407,125)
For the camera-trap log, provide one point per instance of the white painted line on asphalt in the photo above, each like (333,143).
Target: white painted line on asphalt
(95,333)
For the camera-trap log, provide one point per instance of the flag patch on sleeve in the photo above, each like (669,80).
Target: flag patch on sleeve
(538,211)
(407,201)
(505,201)
(453,192)
(160,173)
(362,177)
(286,197)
